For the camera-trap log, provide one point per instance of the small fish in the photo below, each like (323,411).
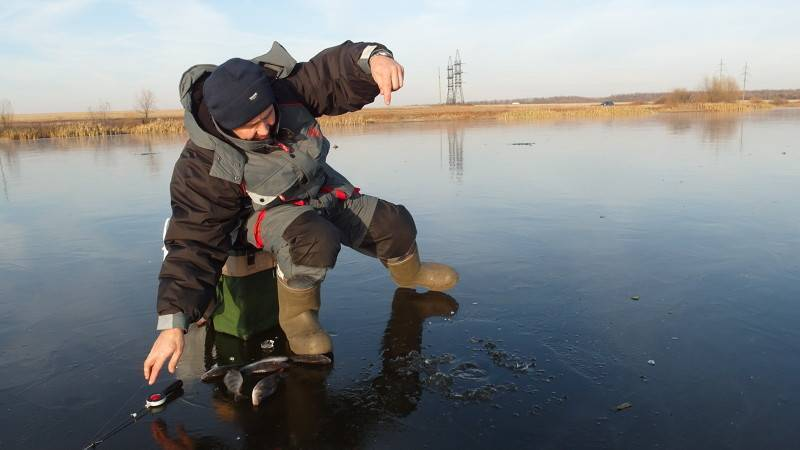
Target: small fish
(263,363)
(233,381)
(217,372)
(264,367)
(310,359)
(264,388)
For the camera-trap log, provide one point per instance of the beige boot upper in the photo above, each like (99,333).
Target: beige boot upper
(298,311)
(409,272)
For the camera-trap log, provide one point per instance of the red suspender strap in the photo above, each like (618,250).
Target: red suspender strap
(257,231)
(314,132)
(340,194)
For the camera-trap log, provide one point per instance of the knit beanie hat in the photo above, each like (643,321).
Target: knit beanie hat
(237,91)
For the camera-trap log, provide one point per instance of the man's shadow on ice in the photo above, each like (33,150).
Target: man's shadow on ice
(304,411)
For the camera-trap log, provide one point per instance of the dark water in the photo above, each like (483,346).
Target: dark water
(697,217)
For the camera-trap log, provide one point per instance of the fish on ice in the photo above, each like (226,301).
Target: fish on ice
(264,388)
(233,382)
(216,373)
(266,365)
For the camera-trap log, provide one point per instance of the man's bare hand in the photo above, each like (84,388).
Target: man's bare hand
(388,75)
(168,344)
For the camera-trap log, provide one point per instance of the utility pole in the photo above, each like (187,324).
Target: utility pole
(450,95)
(721,65)
(455,92)
(439,79)
(459,92)
(744,80)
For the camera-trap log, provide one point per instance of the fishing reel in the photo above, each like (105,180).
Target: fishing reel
(155,403)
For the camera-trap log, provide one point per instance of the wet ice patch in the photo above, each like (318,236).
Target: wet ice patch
(468,371)
(504,359)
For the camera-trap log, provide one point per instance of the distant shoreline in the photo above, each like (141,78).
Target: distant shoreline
(55,125)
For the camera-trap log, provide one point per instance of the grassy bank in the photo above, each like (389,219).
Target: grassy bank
(37,126)
(719,107)
(91,129)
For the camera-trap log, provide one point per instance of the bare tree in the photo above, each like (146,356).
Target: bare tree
(6,113)
(145,103)
(101,114)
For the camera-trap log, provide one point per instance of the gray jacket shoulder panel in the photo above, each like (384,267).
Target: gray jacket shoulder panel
(228,162)
(277,59)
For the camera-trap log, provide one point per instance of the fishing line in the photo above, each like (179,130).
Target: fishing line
(112,416)
(195,405)
(135,416)
(152,403)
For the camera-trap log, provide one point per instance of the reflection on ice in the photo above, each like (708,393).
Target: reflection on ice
(455,152)
(713,128)
(304,411)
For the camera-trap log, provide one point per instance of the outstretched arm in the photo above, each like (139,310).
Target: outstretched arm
(346,77)
(204,213)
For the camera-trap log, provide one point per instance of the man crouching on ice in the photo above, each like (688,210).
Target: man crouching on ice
(254,169)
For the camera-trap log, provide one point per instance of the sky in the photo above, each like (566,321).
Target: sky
(72,55)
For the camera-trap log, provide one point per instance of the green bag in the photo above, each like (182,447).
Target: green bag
(248,305)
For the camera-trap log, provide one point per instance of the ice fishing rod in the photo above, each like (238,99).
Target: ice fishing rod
(152,403)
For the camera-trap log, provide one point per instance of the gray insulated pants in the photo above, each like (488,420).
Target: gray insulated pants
(306,240)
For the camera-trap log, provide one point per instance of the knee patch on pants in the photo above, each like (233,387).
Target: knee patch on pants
(313,241)
(391,233)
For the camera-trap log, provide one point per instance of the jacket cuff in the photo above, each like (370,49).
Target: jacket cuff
(367,53)
(176,320)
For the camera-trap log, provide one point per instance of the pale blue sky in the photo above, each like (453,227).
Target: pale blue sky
(70,55)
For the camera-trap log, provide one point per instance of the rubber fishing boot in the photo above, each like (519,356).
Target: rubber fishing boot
(409,272)
(298,311)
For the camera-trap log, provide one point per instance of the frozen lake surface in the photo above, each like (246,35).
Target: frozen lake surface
(586,250)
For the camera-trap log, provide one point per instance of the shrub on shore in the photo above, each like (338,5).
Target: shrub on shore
(678,96)
(780,101)
(720,89)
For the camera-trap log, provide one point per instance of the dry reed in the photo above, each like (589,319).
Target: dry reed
(588,112)
(91,129)
(718,107)
(173,125)
(158,126)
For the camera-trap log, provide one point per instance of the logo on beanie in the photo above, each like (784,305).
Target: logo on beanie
(254,96)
